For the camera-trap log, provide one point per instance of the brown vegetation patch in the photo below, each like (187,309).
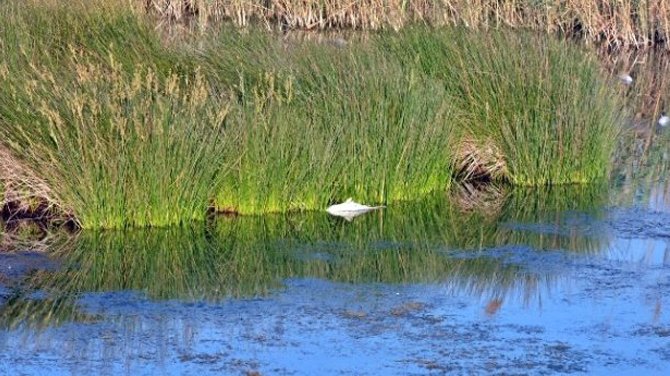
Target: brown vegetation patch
(493,306)
(352,314)
(480,161)
(24,196)
(614,24)
(407,308)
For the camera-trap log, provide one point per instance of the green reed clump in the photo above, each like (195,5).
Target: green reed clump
(332,124)
(125,129)
(48,30)
(243,62)
(539,111)
(118,151)
(120,129)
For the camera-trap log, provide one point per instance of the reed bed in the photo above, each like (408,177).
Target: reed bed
(126,130)
(351,126)
(115,148)
(120,136)
(539,110)
(614,24)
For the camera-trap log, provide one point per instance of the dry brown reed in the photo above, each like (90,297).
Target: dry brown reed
(479,160)
(21,187)
(648,95)
(616,24)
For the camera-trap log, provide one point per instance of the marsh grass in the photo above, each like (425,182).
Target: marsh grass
(112,148)
(542,104)
(127,130)
(345,126)
(96,107)
(47,31)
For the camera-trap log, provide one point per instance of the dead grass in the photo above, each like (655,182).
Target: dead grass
(21,187)
(617,24)
(475,160)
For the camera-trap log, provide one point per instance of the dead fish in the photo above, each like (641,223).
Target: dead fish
(350,209)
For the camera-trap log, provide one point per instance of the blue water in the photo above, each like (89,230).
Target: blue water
(600,311)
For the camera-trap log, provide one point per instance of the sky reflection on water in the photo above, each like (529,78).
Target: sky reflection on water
(555,281)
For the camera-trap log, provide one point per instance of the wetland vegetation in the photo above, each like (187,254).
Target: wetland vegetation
(195,145)
(120,125)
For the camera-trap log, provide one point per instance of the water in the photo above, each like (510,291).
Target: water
(571,280)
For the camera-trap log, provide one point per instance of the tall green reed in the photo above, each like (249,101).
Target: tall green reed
(118,151)
(141,132)
(340,126)
(542,105)
(319,124)
(108,117)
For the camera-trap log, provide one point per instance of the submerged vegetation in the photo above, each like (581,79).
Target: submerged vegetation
(126,129)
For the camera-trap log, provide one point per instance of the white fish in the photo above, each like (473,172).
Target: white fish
(350,209)
(626,79)
(663,120)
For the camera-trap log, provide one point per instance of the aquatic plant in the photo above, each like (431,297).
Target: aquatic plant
(539,111)
(344,126)
(117,151)
(95,106)
(154,133)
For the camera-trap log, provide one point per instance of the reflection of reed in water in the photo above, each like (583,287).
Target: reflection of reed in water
(557,217)
(30,235)
(487,199)
(37,313)
(428,241)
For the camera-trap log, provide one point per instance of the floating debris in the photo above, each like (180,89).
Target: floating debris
(350,209)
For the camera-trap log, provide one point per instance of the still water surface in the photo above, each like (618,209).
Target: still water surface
(570,280)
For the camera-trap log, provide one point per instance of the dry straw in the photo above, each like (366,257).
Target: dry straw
(621,23)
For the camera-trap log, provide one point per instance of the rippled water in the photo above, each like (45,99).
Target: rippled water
(570,280)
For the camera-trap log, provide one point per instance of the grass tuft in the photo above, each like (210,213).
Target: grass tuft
(115,150)
(542,105)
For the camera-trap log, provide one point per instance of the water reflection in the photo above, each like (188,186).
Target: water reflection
(489,251)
